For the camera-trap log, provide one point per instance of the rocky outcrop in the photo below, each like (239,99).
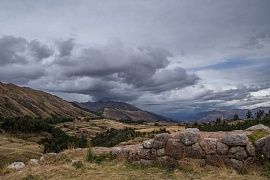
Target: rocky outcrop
(263,146)
(258,127)
(16,165)
(233,149)
(33,162)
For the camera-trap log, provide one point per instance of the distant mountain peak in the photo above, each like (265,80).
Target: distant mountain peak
(121,111)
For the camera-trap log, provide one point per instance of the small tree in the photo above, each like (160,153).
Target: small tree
(218,120)
(236,117)
(249,114)
(259,114)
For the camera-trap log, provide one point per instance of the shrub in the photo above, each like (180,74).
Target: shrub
(93,158)
(59,140)
(113,137)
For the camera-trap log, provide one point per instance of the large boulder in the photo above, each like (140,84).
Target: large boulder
(260,143)
(222,148)
(251,149)
(166,161)
(16,165)
(235,140)
(263,146)
(160,140)
(250,162)
(190,136)
(161,152)
(133,153)
(238,152)
(216,160)
(148,144)
(194,151)
(33,162)
(209,145)
(116,151)
(146,154)
(174,148)
(258,127)
(236,164)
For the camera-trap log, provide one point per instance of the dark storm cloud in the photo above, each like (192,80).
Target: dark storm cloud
(20,60)
(11,49)
(65,47)
(111,72)
(143,69)
(16,50)
(202,54)
(40,51)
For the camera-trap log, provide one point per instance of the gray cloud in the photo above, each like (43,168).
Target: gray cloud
(40,51)
(110,72)
(65,47)
(195,54)
(11,49)
(15,50)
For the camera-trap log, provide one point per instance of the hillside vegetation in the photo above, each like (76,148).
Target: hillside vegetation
(21,101)
(121,111)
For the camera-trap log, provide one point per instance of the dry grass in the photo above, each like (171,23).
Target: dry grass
(60,167)
(15,149)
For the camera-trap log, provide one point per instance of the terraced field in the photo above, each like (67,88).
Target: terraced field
(92,127)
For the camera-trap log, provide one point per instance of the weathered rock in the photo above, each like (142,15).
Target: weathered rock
(160,140)
(238,152)
(258,127)
(266,148)
(52,154)
(251,149)
(116,151)
(235,140)
(249,162)
(209,145)
(222,149)
(217,160)
(145,154)
(148,144)
(260,143)
(161,152)
(190,136)
(41,159)
(16,165)
(145,162)
(174,148)
(194,151)
(33,162)
(236,164)
(166,161)
(133,153)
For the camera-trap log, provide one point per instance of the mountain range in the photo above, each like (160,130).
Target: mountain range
(121,111)
(225,114)
(21,101)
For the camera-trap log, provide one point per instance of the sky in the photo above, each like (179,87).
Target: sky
(169,57)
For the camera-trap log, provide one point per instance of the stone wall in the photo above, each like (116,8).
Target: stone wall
(233,149)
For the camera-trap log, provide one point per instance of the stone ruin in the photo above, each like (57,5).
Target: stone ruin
(232,149)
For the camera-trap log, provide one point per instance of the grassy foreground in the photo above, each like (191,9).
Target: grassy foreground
(60,167)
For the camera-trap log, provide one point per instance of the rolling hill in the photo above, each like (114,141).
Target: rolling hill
(121,111)
(21,101)
(225,114)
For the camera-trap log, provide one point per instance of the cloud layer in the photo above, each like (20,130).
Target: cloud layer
(168,57)
(109,72)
